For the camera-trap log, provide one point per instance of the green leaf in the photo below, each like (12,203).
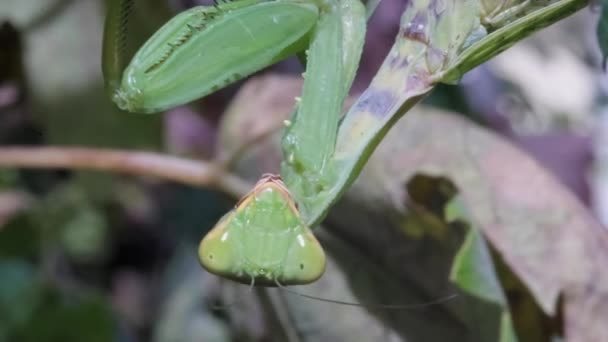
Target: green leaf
(473,270)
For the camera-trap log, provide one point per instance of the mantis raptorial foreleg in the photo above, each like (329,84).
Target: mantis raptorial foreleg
(309,142)
(202,49)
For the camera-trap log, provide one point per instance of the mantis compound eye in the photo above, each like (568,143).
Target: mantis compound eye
(217,250)
(305,262)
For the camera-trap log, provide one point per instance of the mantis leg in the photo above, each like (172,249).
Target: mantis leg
(500,15)
(309,142)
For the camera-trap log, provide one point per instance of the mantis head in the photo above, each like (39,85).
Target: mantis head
(263,240)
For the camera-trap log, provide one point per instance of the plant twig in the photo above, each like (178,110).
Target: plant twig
(181,170)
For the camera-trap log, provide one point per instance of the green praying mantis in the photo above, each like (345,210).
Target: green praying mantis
(267,239)
(264,240)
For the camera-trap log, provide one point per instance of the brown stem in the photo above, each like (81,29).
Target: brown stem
(181,170)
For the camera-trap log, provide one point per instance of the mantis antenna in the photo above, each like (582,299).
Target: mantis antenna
(439,300)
